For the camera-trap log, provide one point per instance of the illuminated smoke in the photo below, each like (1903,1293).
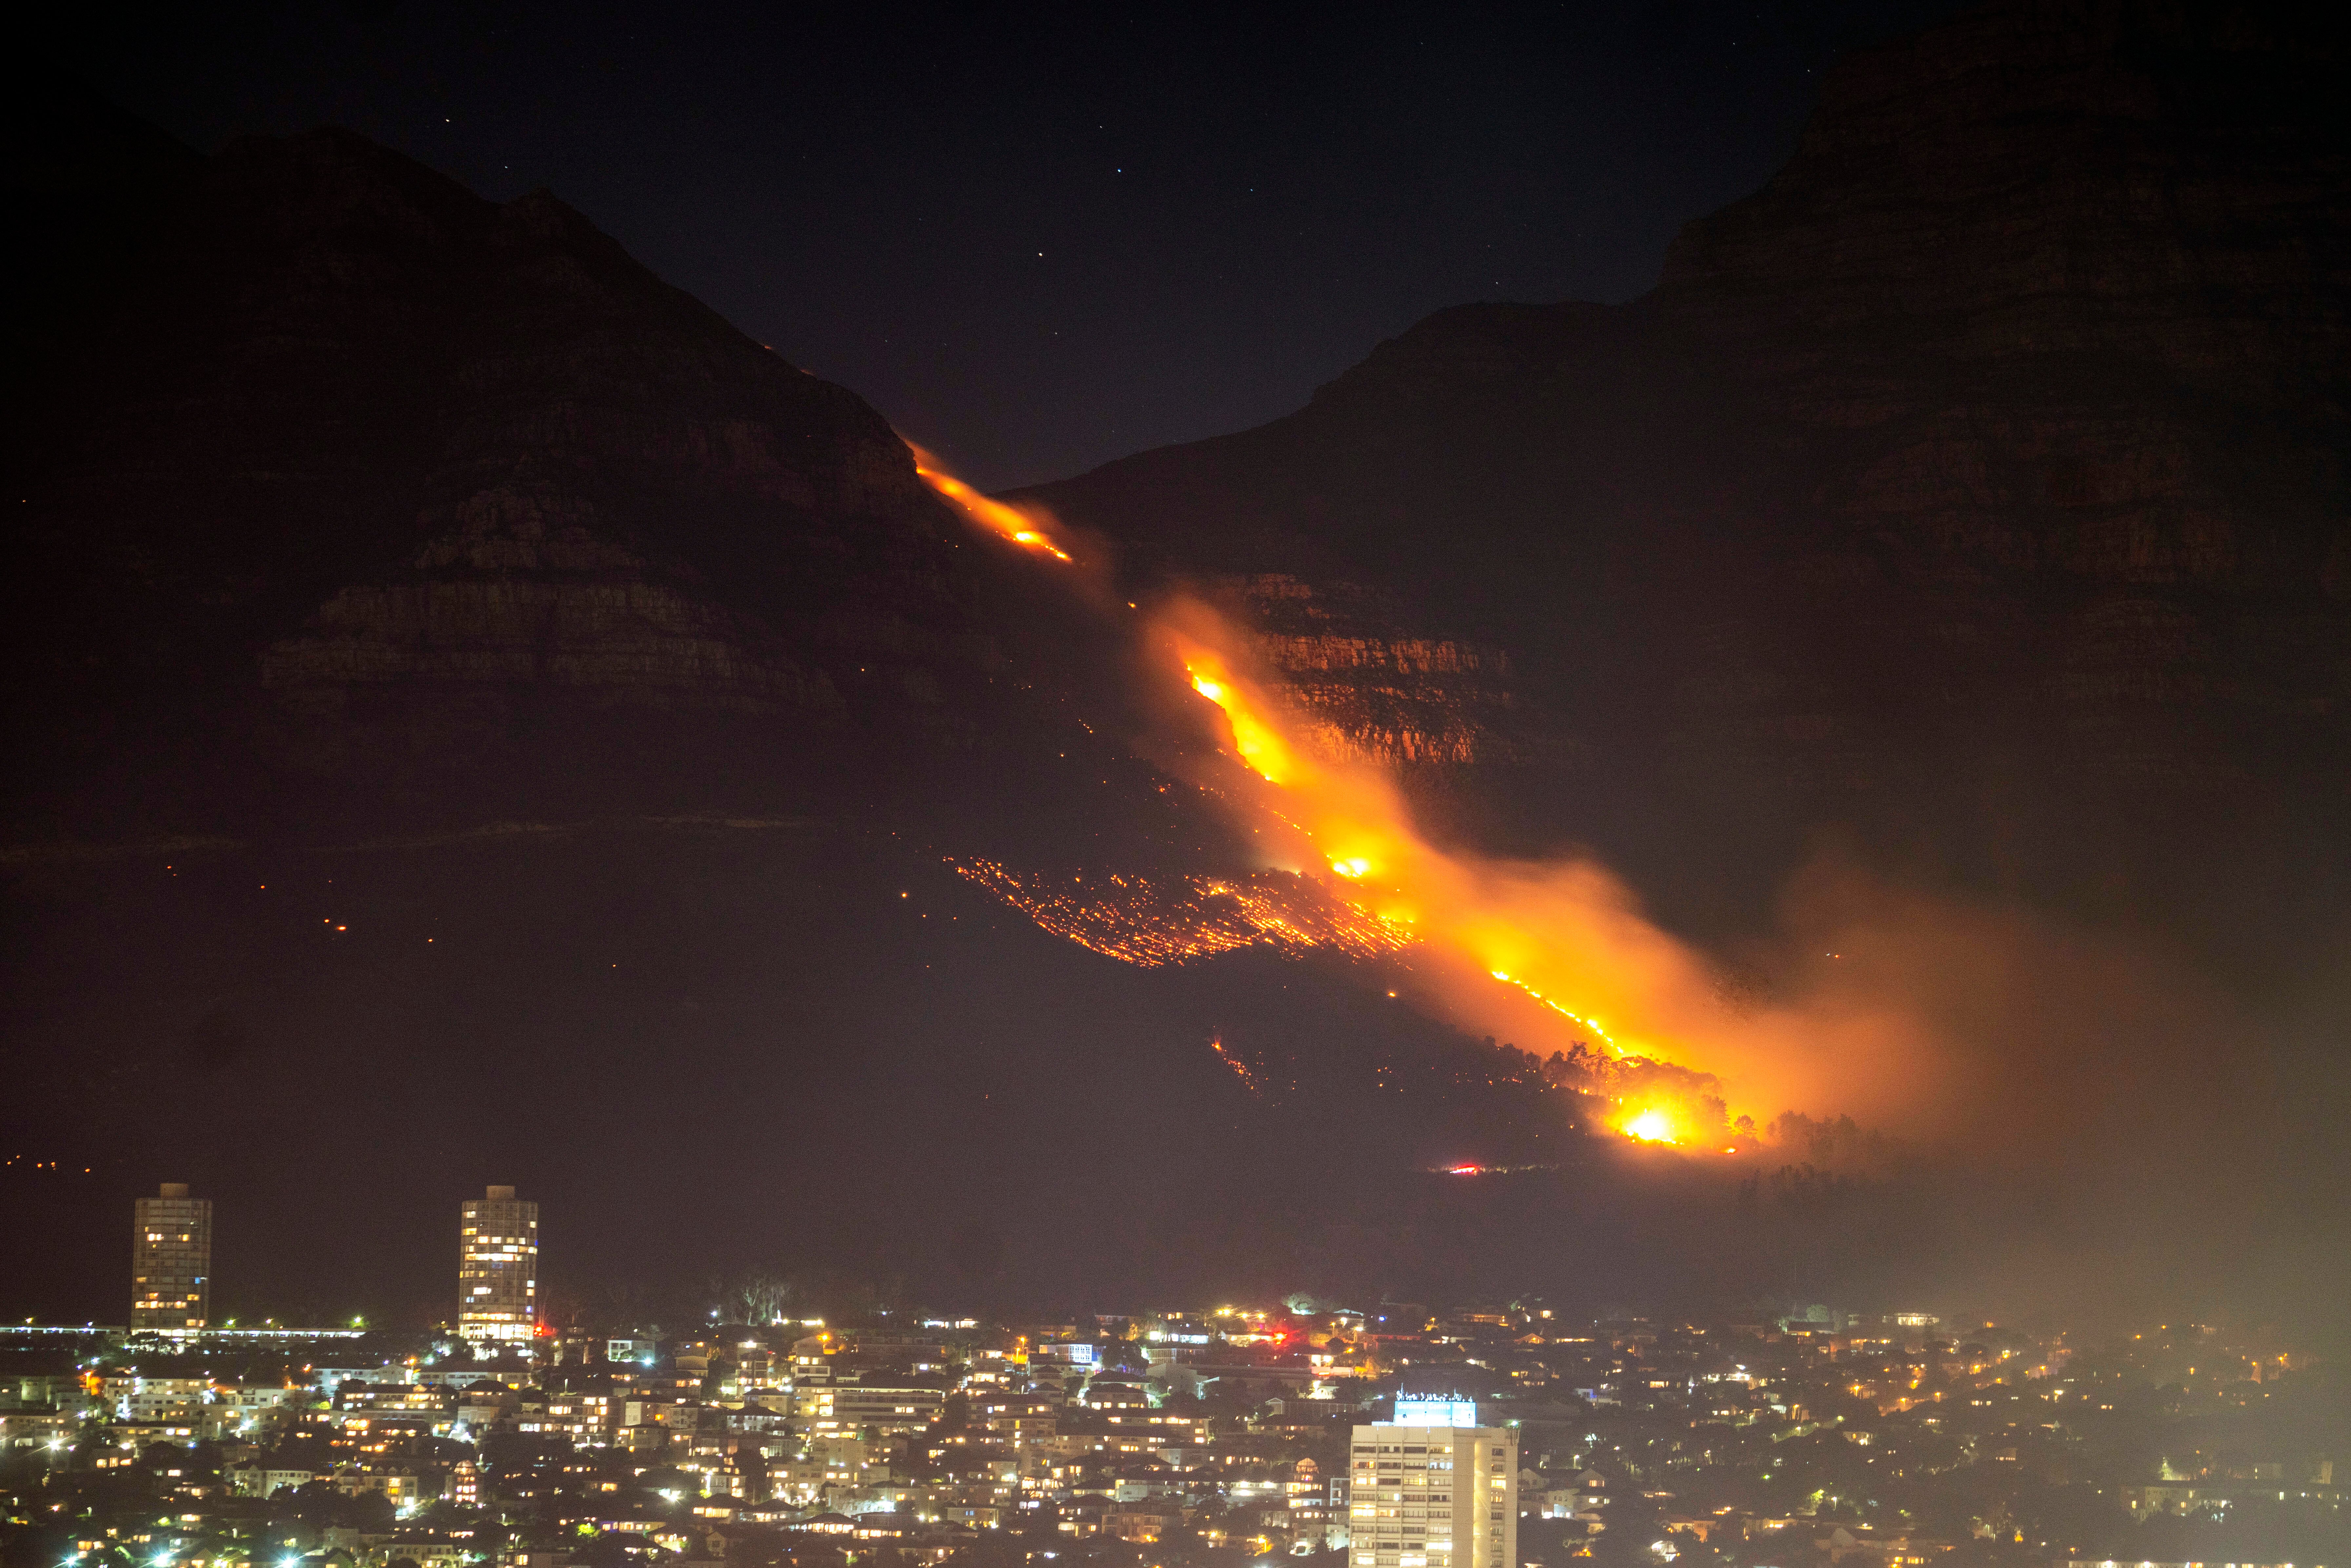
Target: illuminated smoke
(1513,940)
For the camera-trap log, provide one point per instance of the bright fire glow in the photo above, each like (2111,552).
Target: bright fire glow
(1565,934)
(1652,1126)
(1259,745)
(996,516)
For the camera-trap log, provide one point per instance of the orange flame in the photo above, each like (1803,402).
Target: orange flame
(1546,931)
(1651,1127)
(1260,746)
(998,518)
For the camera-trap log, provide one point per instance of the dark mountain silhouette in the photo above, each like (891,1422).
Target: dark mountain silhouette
(358,476)
(475,711)
(479,717)
(1975,490)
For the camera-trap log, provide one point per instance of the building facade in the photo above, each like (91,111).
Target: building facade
(497,1269)
(171,1259)
(1424,1492)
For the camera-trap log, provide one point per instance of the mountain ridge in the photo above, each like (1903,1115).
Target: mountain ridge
(380,516)
(1973,492)
(386,445)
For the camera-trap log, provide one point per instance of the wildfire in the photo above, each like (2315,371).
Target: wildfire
(1241,1069)
(1651,1126)
(1509,980)
(1546,931)
(1150,923)
(996,516)
(1260,746)
(1353,822)
(1566,935)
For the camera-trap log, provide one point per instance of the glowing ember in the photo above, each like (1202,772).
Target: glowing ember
(1572,1018)
(1153,922)
(1241,1069)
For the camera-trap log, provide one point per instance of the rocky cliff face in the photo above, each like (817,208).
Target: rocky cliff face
(1975,488)
(1375,695)
(2045,177)
(362,472)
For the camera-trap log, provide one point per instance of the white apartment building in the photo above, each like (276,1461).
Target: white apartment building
(1433,1489)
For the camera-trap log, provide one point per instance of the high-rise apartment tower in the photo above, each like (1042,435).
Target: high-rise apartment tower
(1433,1489)
(498,1268)
(171,1259)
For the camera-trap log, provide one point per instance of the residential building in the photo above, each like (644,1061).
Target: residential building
(896,1405)
(133,1397)
(1433,1489)
(497,1269)
(171,1259)
(265,1480)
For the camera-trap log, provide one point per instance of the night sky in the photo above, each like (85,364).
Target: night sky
(1036,241)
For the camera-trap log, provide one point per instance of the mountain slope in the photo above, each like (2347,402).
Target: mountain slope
(442,473)
(479,717)
(483,719)
(1975,489)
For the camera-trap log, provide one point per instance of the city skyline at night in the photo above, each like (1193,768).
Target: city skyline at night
(1530,786)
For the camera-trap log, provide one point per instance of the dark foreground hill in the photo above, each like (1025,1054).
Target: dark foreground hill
(1976,491)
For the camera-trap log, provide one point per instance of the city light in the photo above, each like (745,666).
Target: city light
(855,1436)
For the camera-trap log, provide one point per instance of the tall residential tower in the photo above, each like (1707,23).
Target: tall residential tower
(1433,1489)
(497,1269)
(171,1259)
